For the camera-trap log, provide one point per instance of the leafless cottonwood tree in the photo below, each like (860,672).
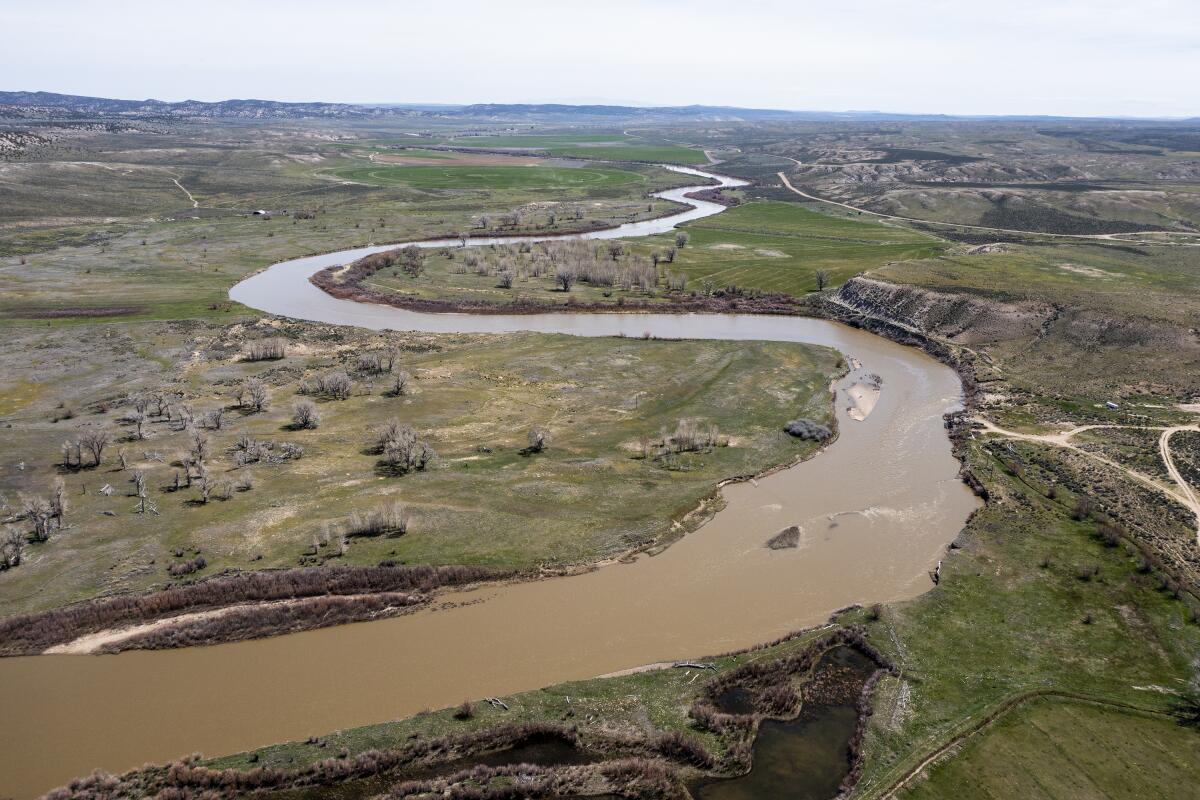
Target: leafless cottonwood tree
(38,512)
(258,396)
(822,280)
(59,505)
(305,415)
(336,385)
(95,441)
(214,419)
(265,350)
(12,547)
(200,446)
(399,386)
(72,454)
(402,450)
(681,239)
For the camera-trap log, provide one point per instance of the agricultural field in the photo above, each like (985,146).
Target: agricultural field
(453,176)
(780,247)
(1064,749)
(607,147)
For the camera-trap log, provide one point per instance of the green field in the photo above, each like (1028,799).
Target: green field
(602,146)
(1063,750)
(477,177)
(779,247)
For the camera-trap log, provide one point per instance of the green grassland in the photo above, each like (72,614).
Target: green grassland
(597,146)
(591,495)
(108,232)
(779,247)
(606,147)
(1065,750)
(479,177)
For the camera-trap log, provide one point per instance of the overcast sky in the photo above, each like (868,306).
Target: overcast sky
(1069,57)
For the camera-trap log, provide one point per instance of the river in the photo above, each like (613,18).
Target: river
(876,510)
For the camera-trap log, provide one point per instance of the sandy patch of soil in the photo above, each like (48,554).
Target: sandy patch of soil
(863,397)
(771,253)
(726,246)
(1090,272)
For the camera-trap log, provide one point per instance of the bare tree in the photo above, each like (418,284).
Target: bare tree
(214,419)
(72,454)
(199,444)
(258,397)
(37,510)
(95,441)
(822,280)
(539,439)
(265,350)
(399,384)
(58,502)
(206,486)
(402,450)
(305,415)
(391,519)
(671,255)
(681,239)
(332,384)
(12,545)
(138,418)
(565,276)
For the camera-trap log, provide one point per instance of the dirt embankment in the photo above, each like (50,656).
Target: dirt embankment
(957,317)
(971,319)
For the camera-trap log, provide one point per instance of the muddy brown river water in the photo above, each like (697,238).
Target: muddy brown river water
(876,510)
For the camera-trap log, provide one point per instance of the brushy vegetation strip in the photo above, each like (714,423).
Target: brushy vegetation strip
(33,633)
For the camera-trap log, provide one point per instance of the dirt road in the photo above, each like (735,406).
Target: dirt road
(1101,237)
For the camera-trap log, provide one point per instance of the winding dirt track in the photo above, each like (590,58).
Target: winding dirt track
(1095,237)
(1184,495)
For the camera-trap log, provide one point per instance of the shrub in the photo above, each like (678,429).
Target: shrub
(808,430)
(305,415)
(539,439)
(402,450)
(265,350)
(335,385)
(690,437)
(391,519)
(187,567)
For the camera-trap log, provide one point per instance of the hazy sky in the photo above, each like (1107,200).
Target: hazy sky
(1071,57)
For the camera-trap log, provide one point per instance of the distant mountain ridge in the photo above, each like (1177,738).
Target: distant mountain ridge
(54,104)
